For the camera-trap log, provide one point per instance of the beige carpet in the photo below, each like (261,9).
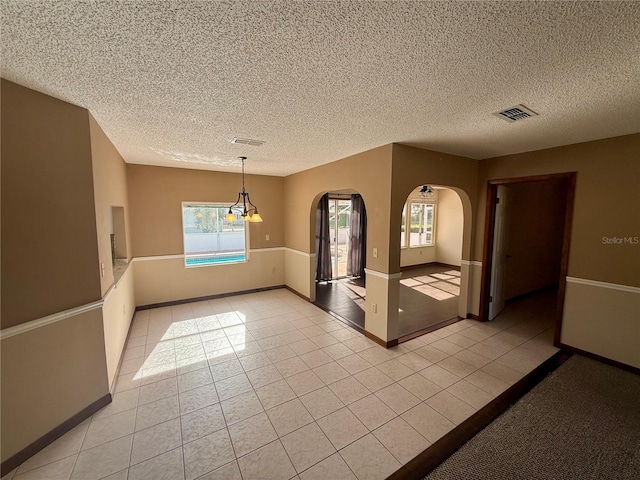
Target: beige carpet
(581,422)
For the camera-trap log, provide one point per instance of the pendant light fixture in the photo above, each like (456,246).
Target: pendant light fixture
(248,215)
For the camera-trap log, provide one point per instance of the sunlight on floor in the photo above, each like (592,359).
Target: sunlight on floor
(439,286)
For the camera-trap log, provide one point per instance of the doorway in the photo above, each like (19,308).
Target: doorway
(430,260)
(526,247)
(339,223)
(341,230)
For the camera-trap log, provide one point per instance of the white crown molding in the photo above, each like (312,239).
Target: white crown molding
(610,286)
(49,319)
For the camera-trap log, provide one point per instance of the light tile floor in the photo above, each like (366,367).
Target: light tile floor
(268,386)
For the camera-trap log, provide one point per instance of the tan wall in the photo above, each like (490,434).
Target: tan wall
(534,235)
(166,279)
(449,228)
(604,321)
(110,189)
(299,272)
(416,166)
(606,202)
(117,312)
(41,372)
(155,205)
(49,246)
(606,206)
(367,173)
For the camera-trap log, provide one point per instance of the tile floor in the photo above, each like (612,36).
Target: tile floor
(268,386)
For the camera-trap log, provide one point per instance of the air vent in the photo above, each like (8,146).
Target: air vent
(513,114)
(247,141)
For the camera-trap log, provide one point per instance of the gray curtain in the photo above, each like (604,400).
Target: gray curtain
(323,242)
(357,255)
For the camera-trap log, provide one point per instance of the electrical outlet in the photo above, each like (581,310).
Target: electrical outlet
(375,252)
(374,308)
(102,269)
(266,237)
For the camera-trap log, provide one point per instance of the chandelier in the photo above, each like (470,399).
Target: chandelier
(248,215)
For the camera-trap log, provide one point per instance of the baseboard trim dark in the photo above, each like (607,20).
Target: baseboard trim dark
(207,297)
(340,318)
(433,456)
(595,356)
(429,329)
(379,341)
(532,293)
(473,316)
(422,265)
(295,292)
(48,438)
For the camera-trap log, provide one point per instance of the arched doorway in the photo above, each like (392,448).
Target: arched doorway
(431,240)
(340,255)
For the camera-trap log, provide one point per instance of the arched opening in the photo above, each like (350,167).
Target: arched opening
(340,255)
(431,240)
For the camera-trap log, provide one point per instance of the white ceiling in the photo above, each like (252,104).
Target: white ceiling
(319,80)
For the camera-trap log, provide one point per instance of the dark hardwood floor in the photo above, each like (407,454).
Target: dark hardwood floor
(428,296)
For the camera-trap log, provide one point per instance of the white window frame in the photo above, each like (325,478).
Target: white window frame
(225,207)
(406,216)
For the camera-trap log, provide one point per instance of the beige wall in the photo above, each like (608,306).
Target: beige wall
(603,320)
(48,375)
(110,190)
(449,228)
(155,205)
(117,312)
(606,202)
(165,279)
(49,246)
(534,235)
(367,173)
(606,206)
(414,166)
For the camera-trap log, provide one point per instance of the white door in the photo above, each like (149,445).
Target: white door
(499,257)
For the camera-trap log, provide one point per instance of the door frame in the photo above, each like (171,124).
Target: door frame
(487,252)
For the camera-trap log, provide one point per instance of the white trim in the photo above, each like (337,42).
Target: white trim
(157,257)
(115,285)
(471,262)
(386,276)
(270,249)
(291,250)
(611,286)
(56,317)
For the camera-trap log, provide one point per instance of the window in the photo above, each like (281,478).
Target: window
(209,239)
(419,221)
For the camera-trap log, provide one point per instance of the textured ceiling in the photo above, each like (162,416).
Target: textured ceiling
(172,82)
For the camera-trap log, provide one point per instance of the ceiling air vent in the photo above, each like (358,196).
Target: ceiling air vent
(513,114)
(247,141)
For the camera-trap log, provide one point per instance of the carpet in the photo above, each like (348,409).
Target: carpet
(581,422)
